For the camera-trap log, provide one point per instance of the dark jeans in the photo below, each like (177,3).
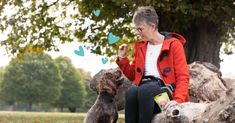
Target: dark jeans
(140,106)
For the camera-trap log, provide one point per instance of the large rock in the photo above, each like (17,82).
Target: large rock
(217,103)
(220,111)
(205,82)
(205,89)
(229,82)
(186,114)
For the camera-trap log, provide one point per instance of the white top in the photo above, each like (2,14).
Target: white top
(152,54)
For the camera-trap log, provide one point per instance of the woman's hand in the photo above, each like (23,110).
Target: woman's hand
(170,105)
(122,51)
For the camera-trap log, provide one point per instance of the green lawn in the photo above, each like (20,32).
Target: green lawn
(41,117)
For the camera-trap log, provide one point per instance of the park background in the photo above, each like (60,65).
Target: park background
(41,71)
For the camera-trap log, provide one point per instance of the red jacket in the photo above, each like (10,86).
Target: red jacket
(171,65)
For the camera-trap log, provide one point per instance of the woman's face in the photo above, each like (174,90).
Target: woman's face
(144,31)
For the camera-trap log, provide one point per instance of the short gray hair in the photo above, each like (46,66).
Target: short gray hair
(146,14)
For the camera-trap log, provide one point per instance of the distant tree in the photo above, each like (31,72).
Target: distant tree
(91,94)
(31,79)
(1,73)
(73,91)
(1,78)
(206,24)
(6,95)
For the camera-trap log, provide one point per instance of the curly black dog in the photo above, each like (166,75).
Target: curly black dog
(104,110)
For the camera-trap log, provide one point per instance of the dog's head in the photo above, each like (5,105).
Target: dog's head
(110,82)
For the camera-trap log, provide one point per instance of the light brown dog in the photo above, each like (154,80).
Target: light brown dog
(104,110)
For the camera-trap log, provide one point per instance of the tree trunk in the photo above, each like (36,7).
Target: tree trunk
(203,42)
(29,107)
(203,37)
(71,109)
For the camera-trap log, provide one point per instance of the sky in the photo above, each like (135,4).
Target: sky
(93,63)
(89,62)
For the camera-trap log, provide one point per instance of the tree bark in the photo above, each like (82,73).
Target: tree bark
(29,107)
(203,42)
(71,109)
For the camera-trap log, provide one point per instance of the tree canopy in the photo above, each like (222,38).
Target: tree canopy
(31,79)
(91,94)
(43,24)
(1,74)
(73,90)
(36,79)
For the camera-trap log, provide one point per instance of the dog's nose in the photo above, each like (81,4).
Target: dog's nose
(119,77)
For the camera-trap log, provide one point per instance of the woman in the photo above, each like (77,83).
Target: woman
(159,65)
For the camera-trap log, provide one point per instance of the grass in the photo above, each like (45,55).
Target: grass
(42,117)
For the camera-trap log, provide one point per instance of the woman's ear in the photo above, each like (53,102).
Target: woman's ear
(153,26)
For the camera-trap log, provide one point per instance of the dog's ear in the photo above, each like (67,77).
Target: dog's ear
(100,85)
(97,87)
(111,87)
(107,86)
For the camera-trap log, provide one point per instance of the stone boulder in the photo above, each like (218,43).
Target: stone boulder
(212,98)
(205,82)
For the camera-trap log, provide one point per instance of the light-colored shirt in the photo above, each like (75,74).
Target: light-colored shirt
(152,54)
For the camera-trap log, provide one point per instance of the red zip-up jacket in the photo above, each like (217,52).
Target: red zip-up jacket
(171,65)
